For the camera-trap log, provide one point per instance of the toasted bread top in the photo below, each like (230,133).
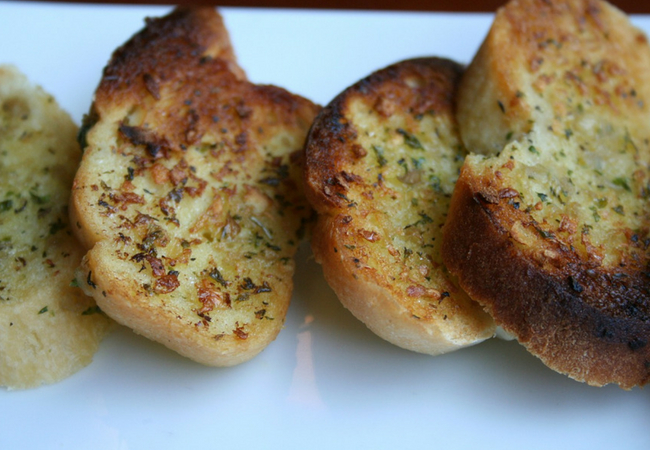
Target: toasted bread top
(551,234)
(48,328)
(555,64)
(381,162)
(132,75)
(189,195)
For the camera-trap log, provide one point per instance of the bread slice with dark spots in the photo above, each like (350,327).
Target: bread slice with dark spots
(189,195)
(550,230)
(381,163)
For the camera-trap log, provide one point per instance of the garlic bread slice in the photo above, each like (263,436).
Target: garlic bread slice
(189,194)
(48,328)
(551,234)
(381,162)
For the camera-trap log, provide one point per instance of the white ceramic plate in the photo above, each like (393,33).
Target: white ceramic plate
(326,382)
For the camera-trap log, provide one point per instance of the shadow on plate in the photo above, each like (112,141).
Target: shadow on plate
(348,362)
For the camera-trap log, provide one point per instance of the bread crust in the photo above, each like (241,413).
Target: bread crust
(189,194)
(369,236)
(552,313)
(548,233)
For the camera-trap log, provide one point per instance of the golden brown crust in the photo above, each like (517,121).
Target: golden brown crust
(388,92)
(189,193)
(381,160)
(551,233)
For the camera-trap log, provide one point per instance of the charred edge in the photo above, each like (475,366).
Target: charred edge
(90,281)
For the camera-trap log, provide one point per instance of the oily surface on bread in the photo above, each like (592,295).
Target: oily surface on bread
(551,234)
(48,328)
(188,195)
(381,162)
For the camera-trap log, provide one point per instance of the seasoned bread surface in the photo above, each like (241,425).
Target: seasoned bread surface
(48,328)
(189,193)
(538,76)
(381,162)
(551,233)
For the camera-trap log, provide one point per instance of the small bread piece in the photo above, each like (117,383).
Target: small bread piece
(188,195)
(48,328)
(551,234)
(381,162)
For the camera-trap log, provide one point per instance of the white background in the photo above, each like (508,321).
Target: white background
(326,382)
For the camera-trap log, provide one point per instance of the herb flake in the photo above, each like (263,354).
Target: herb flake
(6,205)
(379,153)
(39,199)
(622,182)
(410,139)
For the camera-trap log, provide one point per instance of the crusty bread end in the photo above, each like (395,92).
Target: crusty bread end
(550,232)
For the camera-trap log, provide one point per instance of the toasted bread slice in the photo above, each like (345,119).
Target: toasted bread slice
(551,234)
(381,162)
(189,192)
(48,328)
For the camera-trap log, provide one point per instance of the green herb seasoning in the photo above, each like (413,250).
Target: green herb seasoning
(39,199)
(6,205)
(379,153)
(622,182)
(410,139)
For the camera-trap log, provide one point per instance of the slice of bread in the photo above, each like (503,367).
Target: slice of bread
(48,328)
(189,193)
(551,234)
(381,162)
